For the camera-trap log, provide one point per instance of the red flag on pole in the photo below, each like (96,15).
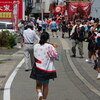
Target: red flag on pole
(58,9)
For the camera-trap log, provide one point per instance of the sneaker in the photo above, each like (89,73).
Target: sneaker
(98,77)
(73,55)
(40,96)
(88,60)
(26,70)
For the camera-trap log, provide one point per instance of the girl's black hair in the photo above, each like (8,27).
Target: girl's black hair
(43,38)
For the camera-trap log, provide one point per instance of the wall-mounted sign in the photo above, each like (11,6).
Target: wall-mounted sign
(6,7)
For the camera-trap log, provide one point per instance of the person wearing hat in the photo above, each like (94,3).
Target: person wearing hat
(29,37)
(77,36)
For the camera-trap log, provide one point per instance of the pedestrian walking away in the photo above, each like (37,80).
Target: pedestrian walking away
(64,28)
(44,70)
(21,28)
(39,26)
(29,37)
(53,26)
(70,26)
(43,25)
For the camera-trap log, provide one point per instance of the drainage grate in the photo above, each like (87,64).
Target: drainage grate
(2,76)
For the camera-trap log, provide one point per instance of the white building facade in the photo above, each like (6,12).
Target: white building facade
(37,7)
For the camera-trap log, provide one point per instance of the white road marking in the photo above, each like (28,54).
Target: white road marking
(6,94)
(91,87)
(18,53)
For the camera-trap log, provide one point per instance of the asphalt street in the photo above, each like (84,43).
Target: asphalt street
(76,79)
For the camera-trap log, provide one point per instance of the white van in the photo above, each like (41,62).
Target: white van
(7,26)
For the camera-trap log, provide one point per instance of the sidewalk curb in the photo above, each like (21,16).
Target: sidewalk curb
(91,87)
(7,57)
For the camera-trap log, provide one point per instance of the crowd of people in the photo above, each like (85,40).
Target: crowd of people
(45,52)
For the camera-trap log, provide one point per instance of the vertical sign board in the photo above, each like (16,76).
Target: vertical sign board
(20,6)
(15,15)
(6,7)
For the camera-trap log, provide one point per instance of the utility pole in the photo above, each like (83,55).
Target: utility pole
(23,9)
(42,9)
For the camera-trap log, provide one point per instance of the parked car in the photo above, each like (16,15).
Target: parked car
(7,26)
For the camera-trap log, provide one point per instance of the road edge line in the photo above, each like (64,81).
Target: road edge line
(7,87)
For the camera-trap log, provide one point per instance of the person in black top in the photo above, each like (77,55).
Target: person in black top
(77,36)
(64,28)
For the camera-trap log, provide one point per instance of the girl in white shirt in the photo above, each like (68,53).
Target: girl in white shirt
(44,69)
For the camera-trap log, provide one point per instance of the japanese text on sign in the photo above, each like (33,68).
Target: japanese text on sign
(5,8)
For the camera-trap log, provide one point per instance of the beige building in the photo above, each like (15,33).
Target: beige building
(37,7)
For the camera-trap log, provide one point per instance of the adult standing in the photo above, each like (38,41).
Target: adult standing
(91,44)
(77,36)
(39,25)
(98,53)
(29,37)
(64,28)
(44,70)
(70,26)
(21,28)
(43,25)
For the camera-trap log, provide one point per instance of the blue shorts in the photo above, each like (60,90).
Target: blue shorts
(44,81)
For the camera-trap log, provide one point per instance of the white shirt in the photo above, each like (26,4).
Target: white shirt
(45,54)
(40,23)
(73,29)
(29,36)
(21,28)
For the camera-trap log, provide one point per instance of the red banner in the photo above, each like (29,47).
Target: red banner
(81,8)
(86,8)
(6,7)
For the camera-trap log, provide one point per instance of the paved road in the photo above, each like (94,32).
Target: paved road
(76,79)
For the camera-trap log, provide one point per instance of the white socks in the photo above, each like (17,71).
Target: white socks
(98,77)
(40,96)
